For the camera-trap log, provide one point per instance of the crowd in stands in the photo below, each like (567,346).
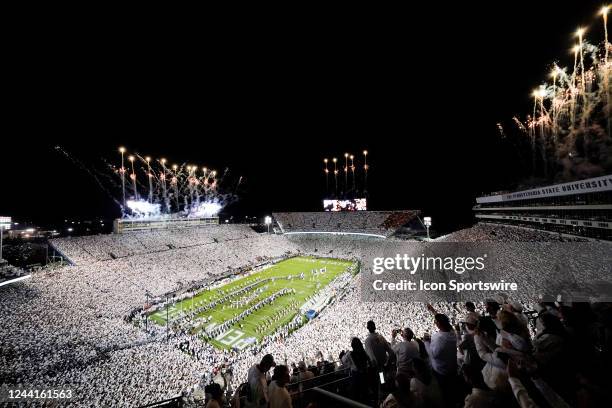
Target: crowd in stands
(491,356)
(483,232)
(68,326)
(92,248)
(383,223)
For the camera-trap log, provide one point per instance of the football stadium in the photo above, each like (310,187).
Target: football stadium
(181,300)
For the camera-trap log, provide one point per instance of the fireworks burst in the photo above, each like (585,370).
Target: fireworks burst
(184,190)
(569,126)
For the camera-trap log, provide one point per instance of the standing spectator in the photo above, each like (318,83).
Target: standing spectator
(377,348)
(467,347)
(492,307)
(278,394)
(258,384)
(494,371)
(359,363)
(303,372)
(303,375)
(552,354)
(405,350)
(517,309)
(442,350)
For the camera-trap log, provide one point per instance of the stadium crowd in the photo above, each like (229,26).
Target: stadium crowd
(76,331)
(383,223)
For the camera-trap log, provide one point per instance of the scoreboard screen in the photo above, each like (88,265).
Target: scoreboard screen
(357,204)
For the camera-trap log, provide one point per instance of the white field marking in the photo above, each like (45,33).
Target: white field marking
(230,337)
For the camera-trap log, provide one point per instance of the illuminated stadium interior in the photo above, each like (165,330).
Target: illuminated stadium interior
(249,220)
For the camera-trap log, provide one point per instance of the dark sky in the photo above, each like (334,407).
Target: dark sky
(422,93)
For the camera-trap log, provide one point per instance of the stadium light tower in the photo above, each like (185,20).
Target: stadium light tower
(122,171)
(268,222)
(427,222)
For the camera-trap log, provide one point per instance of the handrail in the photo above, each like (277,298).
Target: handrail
(320,385)
(339,398)
(163,402)
(341,371)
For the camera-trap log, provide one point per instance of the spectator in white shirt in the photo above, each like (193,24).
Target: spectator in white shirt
(442,350)
(377,348)
(467,347)
(257,381)
(278,394)
(481,395)
(405,350)
(424,386)
(492,307)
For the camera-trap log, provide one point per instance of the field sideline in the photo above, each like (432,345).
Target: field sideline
(285,308)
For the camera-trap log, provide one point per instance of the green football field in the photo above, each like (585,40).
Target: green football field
(268,318)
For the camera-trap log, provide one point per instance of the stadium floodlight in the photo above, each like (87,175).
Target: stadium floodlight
(268,222)
(427,222)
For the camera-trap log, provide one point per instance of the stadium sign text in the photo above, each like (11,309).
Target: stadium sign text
(597,184)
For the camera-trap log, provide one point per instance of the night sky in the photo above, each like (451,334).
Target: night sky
(422,94)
